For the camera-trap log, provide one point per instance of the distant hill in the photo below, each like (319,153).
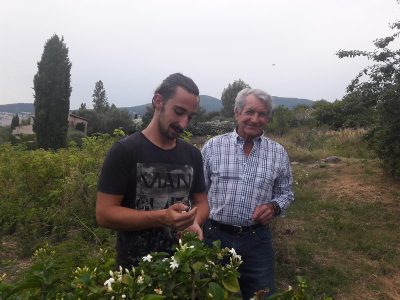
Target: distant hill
(207,102)
(213,104)
(17,108)
(290,102)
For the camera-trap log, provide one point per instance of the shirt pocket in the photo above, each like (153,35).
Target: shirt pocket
(264,181)
(226,173)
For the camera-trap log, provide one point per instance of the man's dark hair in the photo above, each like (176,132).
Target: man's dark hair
(168,87)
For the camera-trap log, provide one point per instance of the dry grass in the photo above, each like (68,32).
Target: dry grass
(342,231)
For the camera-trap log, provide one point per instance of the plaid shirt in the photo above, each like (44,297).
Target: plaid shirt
(237,183)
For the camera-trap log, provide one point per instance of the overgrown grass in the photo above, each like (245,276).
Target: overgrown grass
(309,144)
(341,238)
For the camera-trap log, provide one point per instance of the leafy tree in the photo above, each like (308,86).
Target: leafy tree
(80,126)
(147,116)
(106,122)
(357,111)
(14,122)
(379,85)
(301,116)
(228,97)
(328,114)
(200,116)
(100,101)
(280,121)
(52,86)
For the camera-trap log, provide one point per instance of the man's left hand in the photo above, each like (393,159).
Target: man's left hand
(263,214)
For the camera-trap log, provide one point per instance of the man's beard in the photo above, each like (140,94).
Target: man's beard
(171,135)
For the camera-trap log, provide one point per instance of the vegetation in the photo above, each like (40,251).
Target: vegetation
(5,134)
(14,122)
(377,88)
(105,118)
(228,97)
(49,198)
(52,86)
(100,100)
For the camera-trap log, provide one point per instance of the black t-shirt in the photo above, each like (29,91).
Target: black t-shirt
(150,178)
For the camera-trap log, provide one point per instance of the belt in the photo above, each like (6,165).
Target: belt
(234,228)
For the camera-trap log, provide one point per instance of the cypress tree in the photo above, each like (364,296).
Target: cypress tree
(14,122)
(52,86)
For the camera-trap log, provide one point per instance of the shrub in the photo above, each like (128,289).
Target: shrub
(211,128)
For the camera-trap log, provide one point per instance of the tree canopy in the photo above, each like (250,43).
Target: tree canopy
(228,97)
(52,86)
(378,87)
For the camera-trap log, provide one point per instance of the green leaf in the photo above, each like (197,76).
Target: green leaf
(216,291)
(231,283)
(197,266)
(217,244)
(185,268)
(153,297)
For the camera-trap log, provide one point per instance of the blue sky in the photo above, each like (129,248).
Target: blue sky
(285,47)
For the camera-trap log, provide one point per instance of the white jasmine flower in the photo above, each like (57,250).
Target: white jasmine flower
(173,264)
(123,296)
(158,291)
(109,283)
(140,279)
(147,258)
(233,252)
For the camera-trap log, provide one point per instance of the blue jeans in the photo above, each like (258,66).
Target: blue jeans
(255,247)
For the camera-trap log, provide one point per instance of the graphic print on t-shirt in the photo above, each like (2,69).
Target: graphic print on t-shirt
(159,185)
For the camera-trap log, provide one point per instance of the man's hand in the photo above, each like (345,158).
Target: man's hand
(177,216)
(195,228)
(263,214)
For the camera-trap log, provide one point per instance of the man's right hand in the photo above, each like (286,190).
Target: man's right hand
(177,216)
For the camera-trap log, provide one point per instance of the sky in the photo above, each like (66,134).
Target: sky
(285,47)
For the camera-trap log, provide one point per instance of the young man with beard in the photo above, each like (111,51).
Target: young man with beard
(249,182)
(152,184)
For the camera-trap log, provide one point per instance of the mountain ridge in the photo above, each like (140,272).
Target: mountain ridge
(209,103)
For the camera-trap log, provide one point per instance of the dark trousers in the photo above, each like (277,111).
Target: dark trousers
(255,247)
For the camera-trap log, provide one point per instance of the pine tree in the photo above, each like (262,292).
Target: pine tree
(52,86)
(100,100)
